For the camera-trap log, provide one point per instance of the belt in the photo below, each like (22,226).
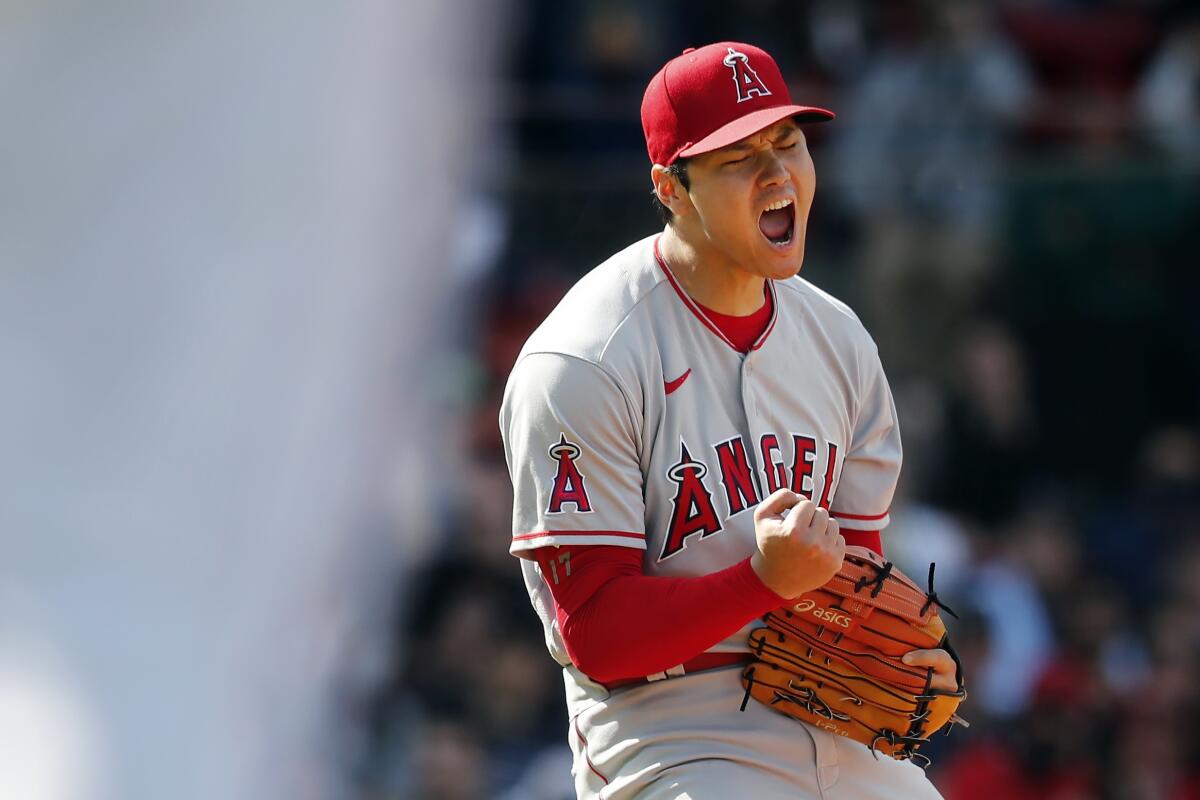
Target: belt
(698,664)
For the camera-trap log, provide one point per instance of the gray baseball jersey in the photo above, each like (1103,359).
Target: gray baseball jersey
(630,420)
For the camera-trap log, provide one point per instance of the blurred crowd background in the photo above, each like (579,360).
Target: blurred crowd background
(1010,198)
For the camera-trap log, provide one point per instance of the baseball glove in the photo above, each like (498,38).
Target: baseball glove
(831,657)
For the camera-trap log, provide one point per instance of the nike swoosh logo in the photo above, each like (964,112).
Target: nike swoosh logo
(671,386)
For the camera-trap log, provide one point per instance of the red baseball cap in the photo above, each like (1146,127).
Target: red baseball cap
(712,96)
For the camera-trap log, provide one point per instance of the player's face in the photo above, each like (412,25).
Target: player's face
(751,202)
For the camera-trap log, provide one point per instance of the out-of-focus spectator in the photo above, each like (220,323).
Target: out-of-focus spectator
(925,127)
(921,534)
(990,434)
(1086,60)
(1169,93)
(1041,755)
(471,663)
(448,763)
(924,119)
(547,778)
(583,63)
(1134,535)
(839,37)
(1020,640)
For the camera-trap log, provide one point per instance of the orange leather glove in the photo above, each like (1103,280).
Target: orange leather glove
(832,658)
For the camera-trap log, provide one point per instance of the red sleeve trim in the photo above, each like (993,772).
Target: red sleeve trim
(537,534)
(862,517)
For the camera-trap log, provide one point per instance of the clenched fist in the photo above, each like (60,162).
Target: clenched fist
(799,546)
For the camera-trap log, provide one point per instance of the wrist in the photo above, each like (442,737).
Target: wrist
(765,575)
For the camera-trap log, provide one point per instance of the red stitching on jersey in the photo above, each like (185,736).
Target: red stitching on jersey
(694,307)
(687,301)
(774,317)
(536,534)
(865,518)
(586,757)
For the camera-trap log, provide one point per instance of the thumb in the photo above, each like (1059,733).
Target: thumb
(775,504)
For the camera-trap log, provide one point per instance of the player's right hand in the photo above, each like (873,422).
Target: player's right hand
(799,545)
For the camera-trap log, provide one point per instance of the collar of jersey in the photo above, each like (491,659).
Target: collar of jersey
(695,308)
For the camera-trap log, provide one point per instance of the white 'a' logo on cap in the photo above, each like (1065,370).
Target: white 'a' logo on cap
(744,77)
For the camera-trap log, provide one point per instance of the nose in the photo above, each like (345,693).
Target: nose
(774,173)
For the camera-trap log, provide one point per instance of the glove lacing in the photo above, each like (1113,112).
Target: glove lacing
(931,597)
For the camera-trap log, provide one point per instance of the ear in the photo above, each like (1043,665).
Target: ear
(669,190)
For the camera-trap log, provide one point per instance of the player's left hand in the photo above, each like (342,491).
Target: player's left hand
(944,670)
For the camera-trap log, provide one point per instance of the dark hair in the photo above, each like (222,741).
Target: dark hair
(679,170)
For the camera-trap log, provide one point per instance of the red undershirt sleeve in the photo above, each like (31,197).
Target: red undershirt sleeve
(619,623)
(869,539)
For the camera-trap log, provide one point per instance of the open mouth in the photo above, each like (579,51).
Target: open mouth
(778,222)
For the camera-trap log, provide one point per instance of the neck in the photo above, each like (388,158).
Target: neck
(723,287)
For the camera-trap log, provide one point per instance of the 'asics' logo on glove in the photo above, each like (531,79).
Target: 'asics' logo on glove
(824,614)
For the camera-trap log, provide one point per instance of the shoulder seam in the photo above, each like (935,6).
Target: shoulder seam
(617,328)
(634,417)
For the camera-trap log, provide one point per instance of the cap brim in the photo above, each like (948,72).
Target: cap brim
(751,124)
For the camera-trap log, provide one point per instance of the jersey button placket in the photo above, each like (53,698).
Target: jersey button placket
(748,394)
(748,384)
(750,407)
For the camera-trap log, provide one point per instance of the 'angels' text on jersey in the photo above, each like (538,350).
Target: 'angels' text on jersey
(693,508)
(694,505)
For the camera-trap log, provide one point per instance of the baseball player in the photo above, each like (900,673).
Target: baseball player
(694,435)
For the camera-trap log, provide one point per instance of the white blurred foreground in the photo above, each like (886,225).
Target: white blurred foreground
(221,267)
